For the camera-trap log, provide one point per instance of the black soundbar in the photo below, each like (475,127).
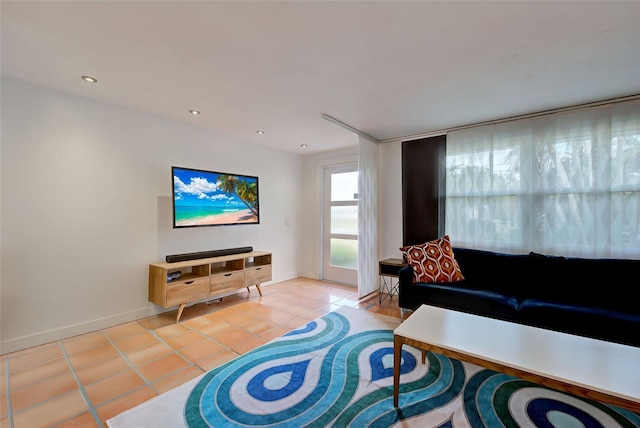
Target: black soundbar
(206,254)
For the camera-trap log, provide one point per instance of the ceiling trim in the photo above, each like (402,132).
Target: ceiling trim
(350,128)
(512,118)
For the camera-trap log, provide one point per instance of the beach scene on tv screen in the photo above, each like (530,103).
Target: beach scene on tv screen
(203,198)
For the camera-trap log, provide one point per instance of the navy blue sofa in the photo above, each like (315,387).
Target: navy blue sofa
(598,298)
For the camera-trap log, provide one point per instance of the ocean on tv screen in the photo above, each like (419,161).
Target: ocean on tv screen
(213,198)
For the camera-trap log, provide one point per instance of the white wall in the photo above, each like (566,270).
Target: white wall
(86,206)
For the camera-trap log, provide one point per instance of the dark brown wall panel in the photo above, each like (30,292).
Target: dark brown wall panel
(423,181)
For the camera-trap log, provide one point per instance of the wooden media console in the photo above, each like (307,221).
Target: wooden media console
(180,283)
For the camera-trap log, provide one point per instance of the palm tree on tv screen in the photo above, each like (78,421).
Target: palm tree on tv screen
(246,192)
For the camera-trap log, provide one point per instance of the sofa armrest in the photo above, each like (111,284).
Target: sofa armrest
(405,276)
(406,289)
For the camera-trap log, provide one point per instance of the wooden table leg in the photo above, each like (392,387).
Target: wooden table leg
(398,341)
(258,287)
(180,309)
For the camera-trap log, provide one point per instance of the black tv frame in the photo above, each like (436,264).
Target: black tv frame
(240,193)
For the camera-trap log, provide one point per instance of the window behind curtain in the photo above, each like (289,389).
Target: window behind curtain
(566,184)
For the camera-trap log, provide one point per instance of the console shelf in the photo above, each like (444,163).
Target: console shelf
(180,283)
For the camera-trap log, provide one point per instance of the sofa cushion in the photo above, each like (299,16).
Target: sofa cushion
(460,298)
(433,261)
(598,323)
(500,272)
(599,283)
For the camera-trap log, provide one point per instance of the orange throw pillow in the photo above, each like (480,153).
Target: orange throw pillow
(433,261)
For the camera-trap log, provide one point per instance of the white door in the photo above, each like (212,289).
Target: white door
(340,224)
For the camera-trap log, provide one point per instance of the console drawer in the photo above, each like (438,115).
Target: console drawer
(184,292)
(227,281)
(257,275)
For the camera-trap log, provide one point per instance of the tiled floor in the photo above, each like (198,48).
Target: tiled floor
(85,380)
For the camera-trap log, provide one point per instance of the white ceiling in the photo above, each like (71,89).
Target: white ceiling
(387,68)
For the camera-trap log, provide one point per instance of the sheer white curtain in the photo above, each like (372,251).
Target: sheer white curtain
(367,217)
(565,184)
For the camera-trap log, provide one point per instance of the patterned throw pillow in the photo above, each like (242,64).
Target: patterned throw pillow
(433,261)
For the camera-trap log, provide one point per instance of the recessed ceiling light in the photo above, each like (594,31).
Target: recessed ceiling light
(260,132)
(304,146)
(194,112)
(89,79)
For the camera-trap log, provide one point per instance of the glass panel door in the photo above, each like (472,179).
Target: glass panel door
(340,224)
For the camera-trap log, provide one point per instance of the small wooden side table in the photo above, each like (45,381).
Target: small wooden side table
(388,278)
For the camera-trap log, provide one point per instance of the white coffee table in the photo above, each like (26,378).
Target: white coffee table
(596,369)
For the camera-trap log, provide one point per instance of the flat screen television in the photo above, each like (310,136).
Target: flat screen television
(211,198)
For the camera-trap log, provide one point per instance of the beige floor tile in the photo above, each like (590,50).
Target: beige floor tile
(148,353)
(113,386)
(240,319)
(258,326)
(159,321)
(42,391)
(231,336)
(163,366)
(200,350)
(275,298)
(263,312)
(84,342)
(393,312)
(136,341)
(186,339)
(295,322)
(318,313)
(38,373)
(223,313)
(212,361)
(247,306)
(34,356)
(306,302)
(314,291)
(4,409)
(115,407)
(172,330)
(175,379)
(85,420)
(330,298)
(200,309)
(275,332)
(249,344)
(51,412)
(220,327)
(93,355)
(198,323)
(227,312)
(124,330)
(279,317)
(103,369)
(302,311)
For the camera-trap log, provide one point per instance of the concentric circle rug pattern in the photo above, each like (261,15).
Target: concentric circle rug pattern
(332,373)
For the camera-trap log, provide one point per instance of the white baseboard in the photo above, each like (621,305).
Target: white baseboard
(24,342)
(311,275)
